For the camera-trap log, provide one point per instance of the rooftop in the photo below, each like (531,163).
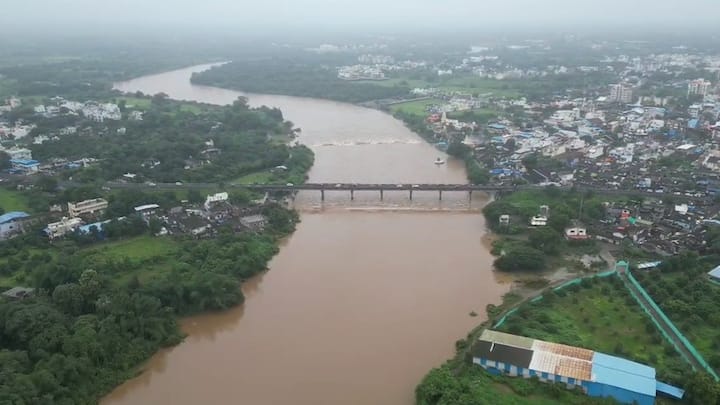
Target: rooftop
(622,373)
(11,216)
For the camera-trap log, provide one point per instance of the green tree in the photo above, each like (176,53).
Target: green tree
(545,239)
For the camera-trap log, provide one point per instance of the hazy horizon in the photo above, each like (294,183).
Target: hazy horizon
(379,16)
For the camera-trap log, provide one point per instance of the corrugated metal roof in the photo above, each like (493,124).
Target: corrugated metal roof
(668,389)
(561,360)
(715,273)
(13,215)
(507,339)
(625,374)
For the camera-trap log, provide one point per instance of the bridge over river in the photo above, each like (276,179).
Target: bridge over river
(381,188)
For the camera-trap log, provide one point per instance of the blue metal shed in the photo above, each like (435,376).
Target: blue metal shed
(13,215)
(624,380)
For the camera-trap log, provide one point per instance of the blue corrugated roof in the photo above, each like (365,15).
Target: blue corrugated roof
(98,225)
(497,126)
(622,373)
(715,273)
(11,216)
(24,161)
(667,389)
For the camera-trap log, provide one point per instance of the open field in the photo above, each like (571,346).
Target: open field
(262,177)
(136,102)
(12,200)
(415,107)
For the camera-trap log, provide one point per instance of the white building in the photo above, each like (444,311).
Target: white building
(86,207)
(215,198)
(19,153)
(698,86)
(620,93)
(538,220)
(62,227)
(576,233)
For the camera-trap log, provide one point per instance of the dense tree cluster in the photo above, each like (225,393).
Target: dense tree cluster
(85,330)
(171,143)
(294,76)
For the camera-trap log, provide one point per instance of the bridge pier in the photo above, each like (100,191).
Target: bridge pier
(470,195)
(440,191)
(352,195)
(410,194)
(322,194)
(381,194)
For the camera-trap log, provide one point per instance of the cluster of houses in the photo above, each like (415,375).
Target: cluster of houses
(198,221)
(91,110)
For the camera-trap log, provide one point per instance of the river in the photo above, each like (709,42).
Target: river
(362,300)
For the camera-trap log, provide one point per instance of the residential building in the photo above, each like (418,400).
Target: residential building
(596,374)
(147,209)
(620,93)
(215,198)
(11,224)
(698,87)
(61,228)
(19,153)
(538,220)
(87,207)
(576,233)
(254,222)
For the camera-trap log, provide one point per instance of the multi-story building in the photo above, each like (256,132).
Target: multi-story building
(87,207)
(698,87)
(620,93)
(62,227)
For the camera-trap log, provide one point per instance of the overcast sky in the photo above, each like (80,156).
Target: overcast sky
(462,14)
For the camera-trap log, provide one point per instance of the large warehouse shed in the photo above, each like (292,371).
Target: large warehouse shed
(597,374)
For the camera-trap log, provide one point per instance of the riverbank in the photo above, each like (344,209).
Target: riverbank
(314,300)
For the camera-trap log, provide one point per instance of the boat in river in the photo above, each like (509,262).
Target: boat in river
(439,161)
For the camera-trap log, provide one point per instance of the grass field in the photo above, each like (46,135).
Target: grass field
(257,177)
(415,107)
(136,102)
(140,248)
(601,315)
(12,200)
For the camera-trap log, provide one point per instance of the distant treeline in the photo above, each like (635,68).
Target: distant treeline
(295,78)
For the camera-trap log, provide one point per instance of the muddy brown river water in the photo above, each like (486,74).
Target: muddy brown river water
(362,300)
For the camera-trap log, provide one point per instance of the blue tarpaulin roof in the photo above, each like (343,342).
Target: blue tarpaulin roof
(667,389)
(693,123)
(11,216)
(497,126)
(622,373)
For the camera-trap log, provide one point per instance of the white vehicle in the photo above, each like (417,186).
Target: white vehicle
(439,161)
(178,183)
(290,185)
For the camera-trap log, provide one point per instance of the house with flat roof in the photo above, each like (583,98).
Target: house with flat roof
(596,374)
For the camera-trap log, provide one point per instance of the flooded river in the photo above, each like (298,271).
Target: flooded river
(362,300)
